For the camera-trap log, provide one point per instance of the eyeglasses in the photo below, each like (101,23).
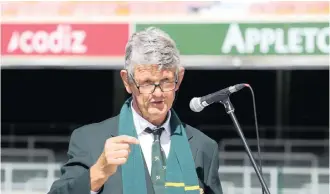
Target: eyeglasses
(165,86)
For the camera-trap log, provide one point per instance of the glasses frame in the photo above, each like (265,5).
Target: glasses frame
(154,84)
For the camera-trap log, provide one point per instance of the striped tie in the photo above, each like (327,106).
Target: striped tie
(158,161)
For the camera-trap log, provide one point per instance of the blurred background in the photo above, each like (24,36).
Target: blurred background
(60,65)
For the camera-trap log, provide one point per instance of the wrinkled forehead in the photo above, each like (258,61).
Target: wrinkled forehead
(154,71)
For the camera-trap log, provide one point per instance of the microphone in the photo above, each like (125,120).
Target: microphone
(197,104)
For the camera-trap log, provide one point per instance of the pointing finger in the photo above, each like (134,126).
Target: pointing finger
(125,139)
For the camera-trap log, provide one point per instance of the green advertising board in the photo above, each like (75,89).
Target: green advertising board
(249,39)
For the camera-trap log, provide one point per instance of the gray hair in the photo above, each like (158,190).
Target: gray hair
(151,46)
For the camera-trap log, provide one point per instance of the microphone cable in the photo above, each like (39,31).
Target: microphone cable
(257,131)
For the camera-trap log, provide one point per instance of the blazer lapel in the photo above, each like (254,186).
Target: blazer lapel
(193,146)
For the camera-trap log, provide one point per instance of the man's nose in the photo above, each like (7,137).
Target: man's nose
(158,91)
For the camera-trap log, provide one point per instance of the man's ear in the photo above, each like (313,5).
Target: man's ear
(124,77)
(180,77)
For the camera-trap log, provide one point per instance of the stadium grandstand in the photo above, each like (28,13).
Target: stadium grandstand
(281,48)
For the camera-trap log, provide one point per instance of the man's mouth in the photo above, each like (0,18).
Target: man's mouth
(157,102)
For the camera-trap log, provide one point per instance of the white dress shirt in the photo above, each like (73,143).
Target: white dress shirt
(146,139)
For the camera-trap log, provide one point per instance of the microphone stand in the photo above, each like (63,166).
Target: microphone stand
(230,110)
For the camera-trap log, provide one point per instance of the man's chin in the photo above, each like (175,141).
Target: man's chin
(157,113)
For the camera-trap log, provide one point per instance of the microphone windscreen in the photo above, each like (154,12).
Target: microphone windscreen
(196,105)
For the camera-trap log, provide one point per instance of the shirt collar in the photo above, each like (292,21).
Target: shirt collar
(141,123)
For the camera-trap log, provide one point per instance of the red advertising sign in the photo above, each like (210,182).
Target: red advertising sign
(64,39)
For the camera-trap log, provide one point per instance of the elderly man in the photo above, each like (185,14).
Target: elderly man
(145,149)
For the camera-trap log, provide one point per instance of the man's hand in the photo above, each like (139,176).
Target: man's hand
(116,151)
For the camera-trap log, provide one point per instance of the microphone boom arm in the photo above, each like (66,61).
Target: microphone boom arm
(230,110)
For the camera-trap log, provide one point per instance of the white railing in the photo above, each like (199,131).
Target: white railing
(286,158)
(287,144)
(246,173)
(8,185)
(29,153)
(32,140)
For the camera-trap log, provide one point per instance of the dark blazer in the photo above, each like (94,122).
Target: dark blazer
(87,143)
